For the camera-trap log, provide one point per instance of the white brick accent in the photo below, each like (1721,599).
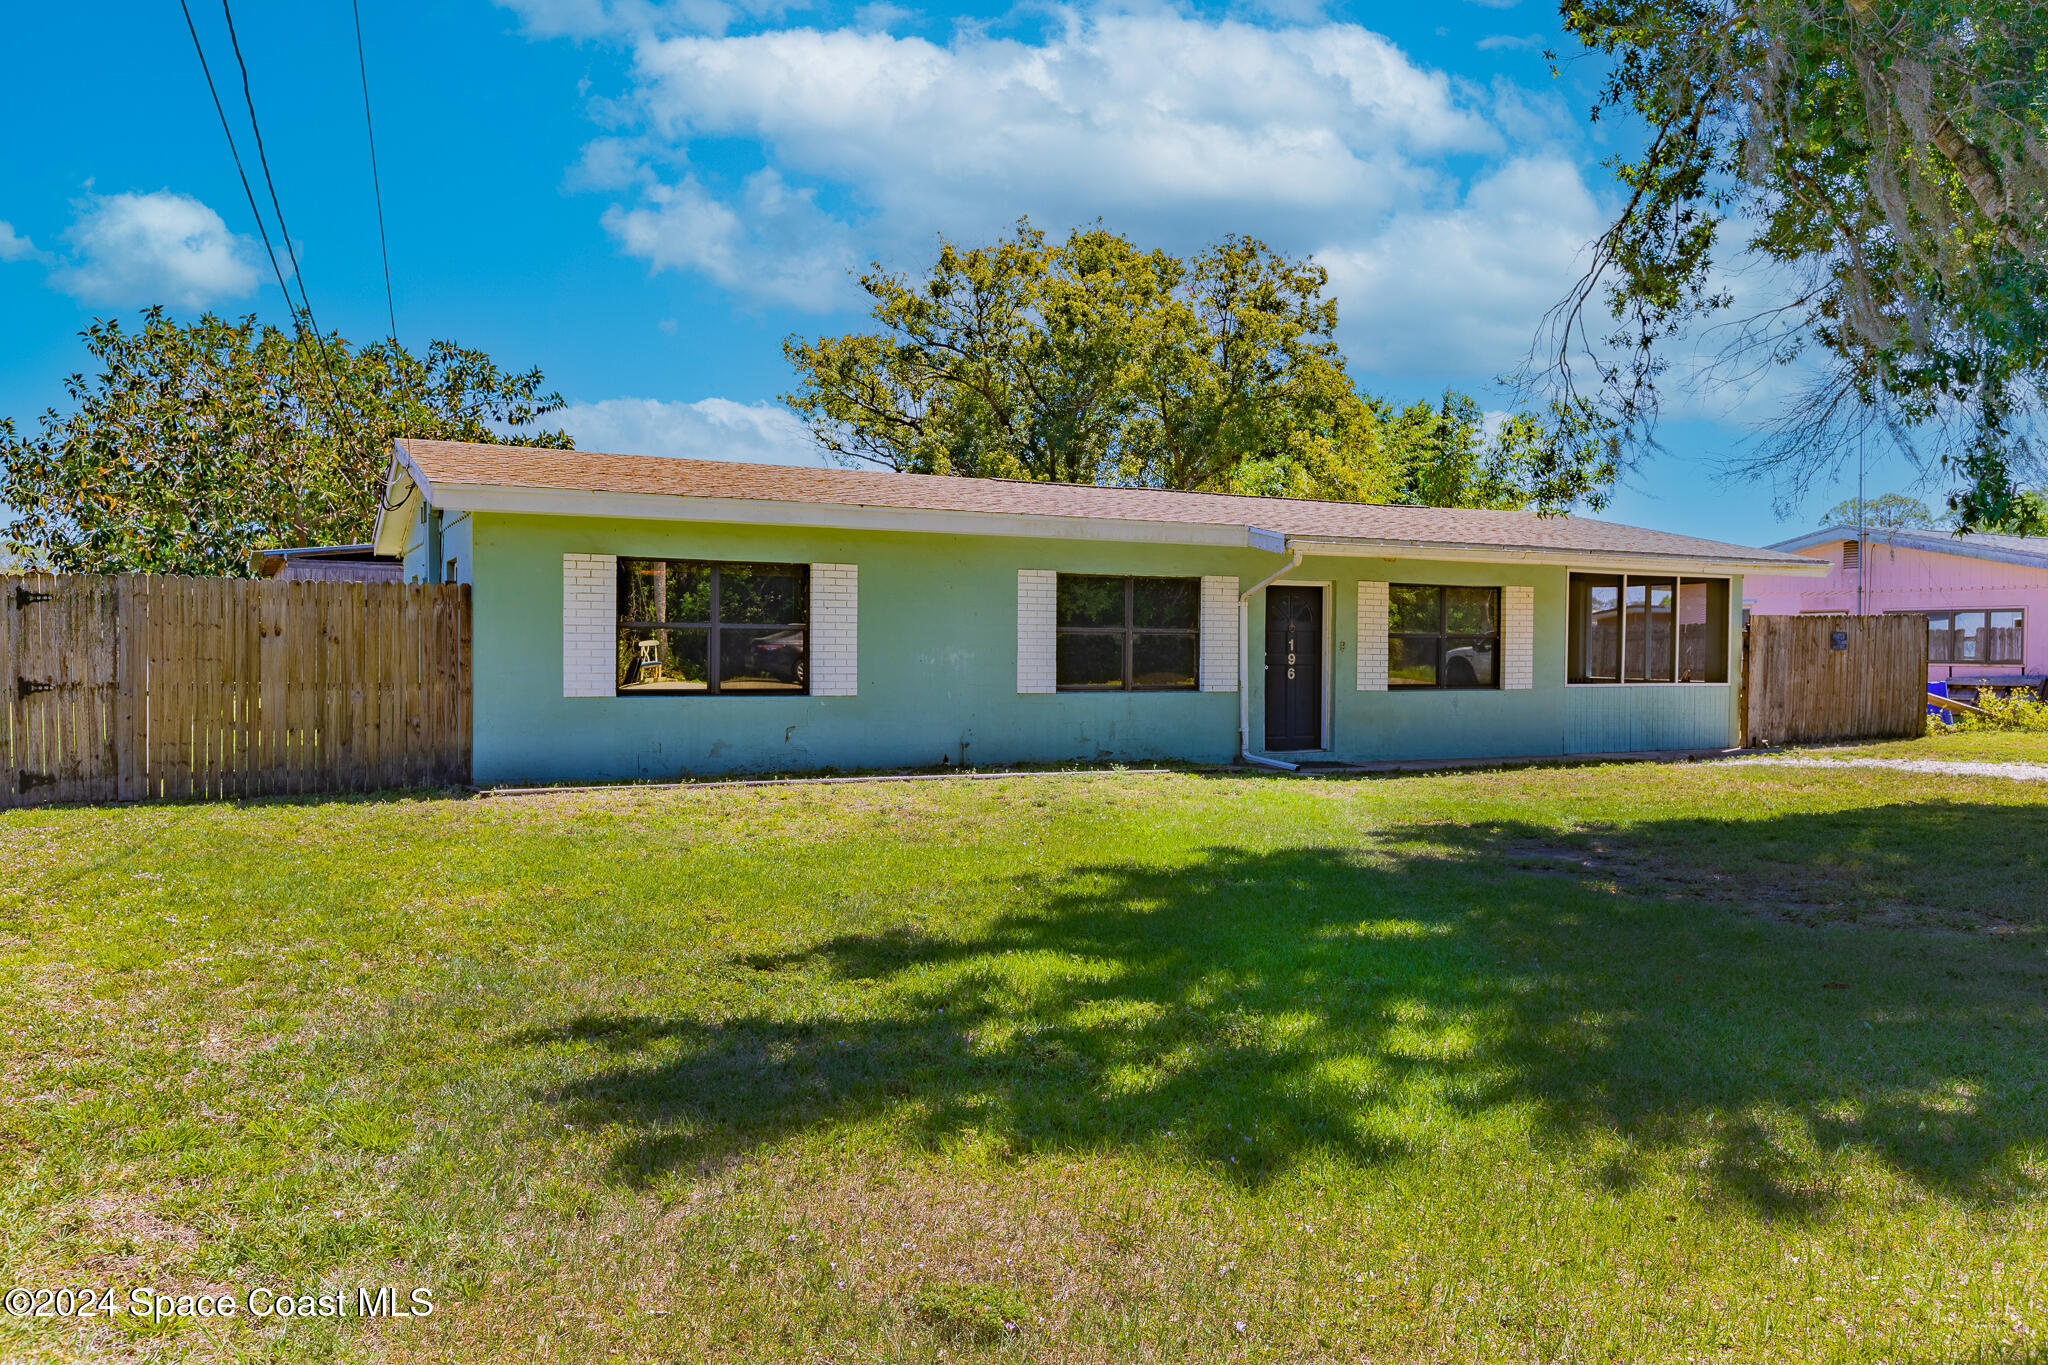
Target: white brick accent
(835,630)
(1372,637)
(1517,638)
(1037,613)
(590,625)
(1219,635)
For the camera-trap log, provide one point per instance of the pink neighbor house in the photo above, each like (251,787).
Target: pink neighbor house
(1980,593)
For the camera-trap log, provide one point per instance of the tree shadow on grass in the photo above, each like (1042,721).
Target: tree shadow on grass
(1249,1009)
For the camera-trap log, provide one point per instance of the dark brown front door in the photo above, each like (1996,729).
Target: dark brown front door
(1294,668)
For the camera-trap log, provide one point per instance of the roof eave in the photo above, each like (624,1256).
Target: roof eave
(1646,561)
(1234,535)
(1927,542)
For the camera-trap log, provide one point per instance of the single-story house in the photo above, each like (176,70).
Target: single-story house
(1977,590)
(637,616)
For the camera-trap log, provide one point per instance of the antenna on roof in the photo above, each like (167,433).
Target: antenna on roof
(1859,521)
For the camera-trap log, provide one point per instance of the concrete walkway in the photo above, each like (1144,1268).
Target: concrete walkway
(2022,772)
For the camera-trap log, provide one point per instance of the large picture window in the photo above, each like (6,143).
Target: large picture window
(691,627)
(1648,628)
(1976,637)
(1127,634)
(1442,636)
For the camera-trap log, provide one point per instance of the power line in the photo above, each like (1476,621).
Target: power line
(235,152)
(263,160)
(376,189)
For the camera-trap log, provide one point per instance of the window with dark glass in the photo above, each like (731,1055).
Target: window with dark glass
(1442,636)
(1976,637)
(1647,628)
(693,627)
(1127,634)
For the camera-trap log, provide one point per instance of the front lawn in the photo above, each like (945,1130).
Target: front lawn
(1617,1064)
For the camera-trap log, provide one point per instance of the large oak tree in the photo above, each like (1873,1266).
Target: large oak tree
(1096,361)
(197,443)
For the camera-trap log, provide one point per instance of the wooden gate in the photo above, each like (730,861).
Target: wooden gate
(1808,678)
(139,687)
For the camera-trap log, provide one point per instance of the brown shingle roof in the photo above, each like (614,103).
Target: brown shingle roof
(445,463)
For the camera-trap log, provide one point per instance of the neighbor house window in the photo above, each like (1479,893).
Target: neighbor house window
(1442,637)
(1127,634)
(694,627)
(1648,628)
(1975,637)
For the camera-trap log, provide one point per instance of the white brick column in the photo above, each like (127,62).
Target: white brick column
(1219,635)
(590,625)
(835,630)
(1372,637)
(1037,614)
(1517,638)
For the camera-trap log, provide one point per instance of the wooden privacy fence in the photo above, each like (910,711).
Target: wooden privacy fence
(139,687)
(1808,678)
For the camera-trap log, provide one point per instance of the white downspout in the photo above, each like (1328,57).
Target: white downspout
(1244,666)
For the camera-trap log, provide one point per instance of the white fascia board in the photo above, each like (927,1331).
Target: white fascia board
(1619,561)
(401,483)
(831,516)
(855,517)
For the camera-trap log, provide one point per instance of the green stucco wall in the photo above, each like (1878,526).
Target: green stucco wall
(938,666)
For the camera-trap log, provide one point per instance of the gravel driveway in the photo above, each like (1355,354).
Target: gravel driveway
(2023,772)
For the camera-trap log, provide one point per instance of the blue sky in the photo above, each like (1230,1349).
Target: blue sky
(644,199)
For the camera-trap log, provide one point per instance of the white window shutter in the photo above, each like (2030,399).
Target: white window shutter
(1517,637)
(835,630)
(1219,635)
(590,625)
(1372,637)
(1037,612)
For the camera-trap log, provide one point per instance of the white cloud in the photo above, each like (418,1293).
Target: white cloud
(1460,290)
(15,247)
(774,243)
(710,429)
(159,247)
(882,16)
(1170,127)
(774,162)
(1132,115)
(1494,42)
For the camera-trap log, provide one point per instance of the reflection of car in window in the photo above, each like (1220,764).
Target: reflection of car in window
(1469,665)
(779,656)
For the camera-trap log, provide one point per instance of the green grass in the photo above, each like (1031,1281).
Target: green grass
(1617,1064)
(1976,746)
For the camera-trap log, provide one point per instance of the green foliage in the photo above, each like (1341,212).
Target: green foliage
(1893,511)
(1094,361)
(2020,711)
(197,443)
(977,1315)
(2022,514)
(1892,156)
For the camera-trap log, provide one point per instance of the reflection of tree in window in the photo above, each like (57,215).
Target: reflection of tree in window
(694,627)
(1116,633)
